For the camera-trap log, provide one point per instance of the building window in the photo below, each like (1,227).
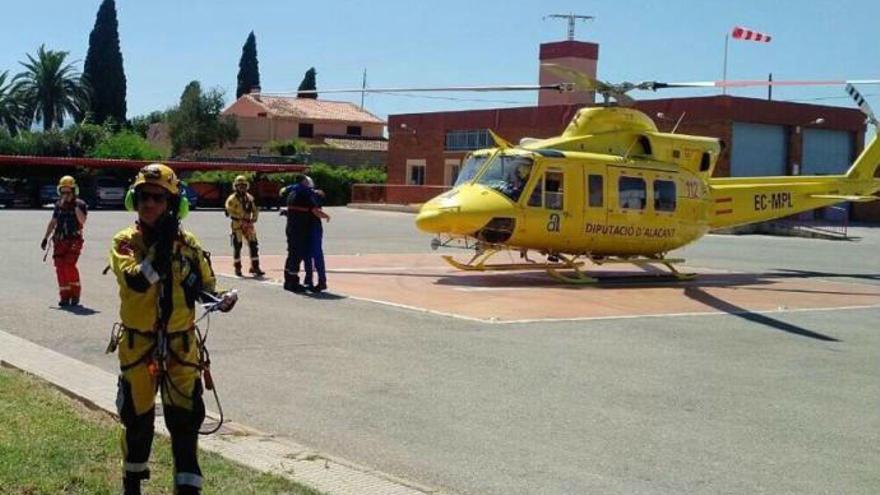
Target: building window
(353,130)
(632,193)
(596,189)
(465,140)
(306,130)
(415,172)
(664,195)
(452,169)
(261,114)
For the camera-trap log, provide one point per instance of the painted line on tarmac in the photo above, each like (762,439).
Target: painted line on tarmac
(376,301)
(679,315)
(496,321)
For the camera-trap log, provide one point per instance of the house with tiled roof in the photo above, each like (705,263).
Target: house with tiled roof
(336,124)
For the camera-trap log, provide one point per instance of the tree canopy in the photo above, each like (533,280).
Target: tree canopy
(51,88)
(248,67)
(196,124)
(103,69)
(308,84)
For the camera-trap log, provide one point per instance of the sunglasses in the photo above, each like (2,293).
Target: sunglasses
(66,193)
(155,197)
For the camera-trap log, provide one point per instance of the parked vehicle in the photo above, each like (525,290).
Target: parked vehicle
(109,192)
(7,196)
(47,194)
(191,195)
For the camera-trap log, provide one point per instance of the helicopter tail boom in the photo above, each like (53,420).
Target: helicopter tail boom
(745,200)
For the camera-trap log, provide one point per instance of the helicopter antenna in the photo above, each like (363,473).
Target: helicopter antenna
(571,20)
(679,122)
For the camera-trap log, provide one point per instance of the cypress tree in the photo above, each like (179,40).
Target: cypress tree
(103,71)
(248,68)
(308,84)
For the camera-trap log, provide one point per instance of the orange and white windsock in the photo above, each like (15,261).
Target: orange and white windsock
(741,33)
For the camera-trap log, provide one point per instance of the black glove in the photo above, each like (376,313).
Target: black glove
(44,243)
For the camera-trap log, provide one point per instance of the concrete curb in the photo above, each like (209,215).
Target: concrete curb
(96,388)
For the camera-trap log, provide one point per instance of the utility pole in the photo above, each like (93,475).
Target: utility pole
(571,20)
(363,88)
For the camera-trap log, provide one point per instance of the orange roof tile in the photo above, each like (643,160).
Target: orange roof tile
(312,109)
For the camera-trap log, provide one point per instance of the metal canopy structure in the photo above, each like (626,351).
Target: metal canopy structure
(179,166)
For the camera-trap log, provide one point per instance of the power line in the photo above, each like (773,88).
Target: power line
(452,98)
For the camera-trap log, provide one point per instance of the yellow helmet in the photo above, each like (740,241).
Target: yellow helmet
(67,181)
(159,175)
(241,180)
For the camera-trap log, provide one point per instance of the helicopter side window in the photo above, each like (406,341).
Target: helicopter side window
(553,191)
(596,190)
(664,195)
(632,193)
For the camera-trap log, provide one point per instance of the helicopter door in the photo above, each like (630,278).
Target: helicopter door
(550,213)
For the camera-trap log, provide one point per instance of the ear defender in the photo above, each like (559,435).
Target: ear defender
(129,199)
(75,190)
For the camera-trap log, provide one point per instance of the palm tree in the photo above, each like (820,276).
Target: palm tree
(51,88)
(11,106)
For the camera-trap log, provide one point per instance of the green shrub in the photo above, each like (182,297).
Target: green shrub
(291,147)
(126,144)
(336,182)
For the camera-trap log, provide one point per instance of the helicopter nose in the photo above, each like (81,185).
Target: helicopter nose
(463,212)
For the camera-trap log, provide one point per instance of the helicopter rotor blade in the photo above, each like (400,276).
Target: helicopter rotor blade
(655,85)
(449,89)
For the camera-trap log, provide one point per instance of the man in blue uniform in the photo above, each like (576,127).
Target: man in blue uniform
(300,203)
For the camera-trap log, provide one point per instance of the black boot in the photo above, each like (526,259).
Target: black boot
(131,486)
(238,269)
(291,283)
(255,269)
(186,490)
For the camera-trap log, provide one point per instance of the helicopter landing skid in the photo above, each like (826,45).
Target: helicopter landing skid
(478,264)
(582,278)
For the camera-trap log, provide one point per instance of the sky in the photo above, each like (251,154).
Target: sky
(167,43)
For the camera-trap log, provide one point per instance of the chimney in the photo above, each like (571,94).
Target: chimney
(255,92)
(576,55)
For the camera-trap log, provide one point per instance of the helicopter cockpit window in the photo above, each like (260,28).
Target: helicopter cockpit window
(664,195)
(553,190)
(507,174)
(632,193)
(472,164)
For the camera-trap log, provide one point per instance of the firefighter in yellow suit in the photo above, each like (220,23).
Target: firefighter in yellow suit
(243,212)
(162,272)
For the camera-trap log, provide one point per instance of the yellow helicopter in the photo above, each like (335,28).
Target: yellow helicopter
(612,189)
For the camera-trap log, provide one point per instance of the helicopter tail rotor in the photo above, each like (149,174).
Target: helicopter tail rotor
(862,104)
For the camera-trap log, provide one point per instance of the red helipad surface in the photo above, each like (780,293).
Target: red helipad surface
(425,282)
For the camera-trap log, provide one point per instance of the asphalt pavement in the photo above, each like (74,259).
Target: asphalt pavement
(678,404)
